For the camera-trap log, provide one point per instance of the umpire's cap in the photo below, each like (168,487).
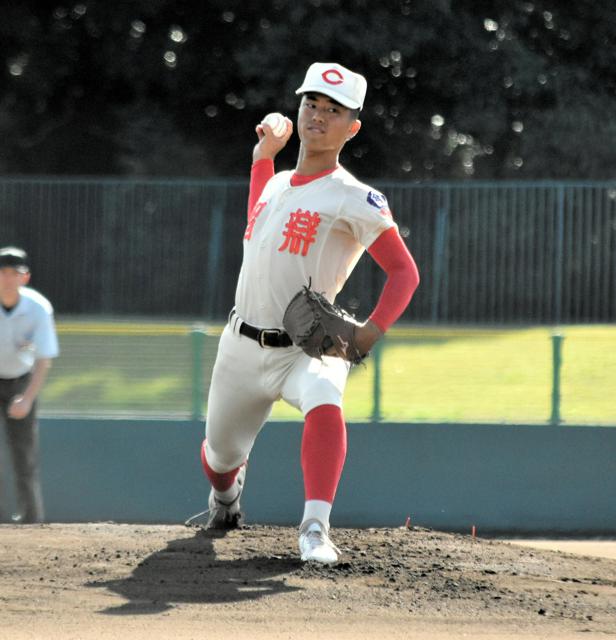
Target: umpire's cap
(14,257)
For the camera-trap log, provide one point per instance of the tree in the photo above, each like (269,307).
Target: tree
(465,89)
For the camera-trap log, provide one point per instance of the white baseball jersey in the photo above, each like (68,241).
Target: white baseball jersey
(295,234)
(27,333)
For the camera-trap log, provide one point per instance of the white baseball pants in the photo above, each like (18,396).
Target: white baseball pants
(247,379)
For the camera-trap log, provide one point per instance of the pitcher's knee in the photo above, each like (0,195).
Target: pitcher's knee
(222,460)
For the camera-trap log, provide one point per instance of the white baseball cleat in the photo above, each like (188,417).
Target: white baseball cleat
(223,515)
(315,545)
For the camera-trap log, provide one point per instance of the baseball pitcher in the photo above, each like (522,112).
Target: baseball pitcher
(285,339)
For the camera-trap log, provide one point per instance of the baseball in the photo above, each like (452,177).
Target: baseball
(277,122)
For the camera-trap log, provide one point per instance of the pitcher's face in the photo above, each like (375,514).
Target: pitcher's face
(324,124)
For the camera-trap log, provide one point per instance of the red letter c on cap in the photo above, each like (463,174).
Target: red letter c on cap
(332,76)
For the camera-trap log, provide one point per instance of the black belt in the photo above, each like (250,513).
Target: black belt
(265,337)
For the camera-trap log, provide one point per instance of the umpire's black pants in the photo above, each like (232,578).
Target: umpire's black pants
(23,440)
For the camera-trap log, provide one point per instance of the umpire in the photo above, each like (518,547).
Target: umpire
(28,342)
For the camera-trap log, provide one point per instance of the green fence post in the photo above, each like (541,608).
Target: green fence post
(376,384)
(197,337)
(439,292)
(557,340)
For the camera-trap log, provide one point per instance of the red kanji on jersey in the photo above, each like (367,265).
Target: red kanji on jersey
(300,232)
(252,218)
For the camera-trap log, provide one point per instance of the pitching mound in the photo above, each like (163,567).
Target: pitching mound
(152,582)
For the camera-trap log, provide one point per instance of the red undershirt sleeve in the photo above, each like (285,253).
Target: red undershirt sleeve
(392,255)
(261,171)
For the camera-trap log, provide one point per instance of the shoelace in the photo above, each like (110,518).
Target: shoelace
(219,505)
(196,517)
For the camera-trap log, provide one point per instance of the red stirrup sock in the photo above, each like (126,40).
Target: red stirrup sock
(324,445)
(220,481)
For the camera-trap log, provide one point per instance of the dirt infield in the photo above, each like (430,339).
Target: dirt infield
(108,581)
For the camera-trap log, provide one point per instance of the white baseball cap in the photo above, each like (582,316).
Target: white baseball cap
(337,82)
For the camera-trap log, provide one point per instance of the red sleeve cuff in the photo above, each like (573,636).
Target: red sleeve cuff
(265,162)
(260,173)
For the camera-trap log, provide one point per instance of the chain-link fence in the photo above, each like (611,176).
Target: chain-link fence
(498,252)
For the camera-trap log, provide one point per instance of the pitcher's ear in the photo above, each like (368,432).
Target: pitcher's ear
(354,129)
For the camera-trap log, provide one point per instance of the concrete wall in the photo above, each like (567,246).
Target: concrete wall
(501,478)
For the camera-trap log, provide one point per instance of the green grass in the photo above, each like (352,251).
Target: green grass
(427,375)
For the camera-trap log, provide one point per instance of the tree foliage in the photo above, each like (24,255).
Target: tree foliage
(457,89)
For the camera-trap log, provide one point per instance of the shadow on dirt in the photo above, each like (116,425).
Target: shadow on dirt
(188,571)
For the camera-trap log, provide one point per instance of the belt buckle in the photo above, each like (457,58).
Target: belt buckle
(263,333)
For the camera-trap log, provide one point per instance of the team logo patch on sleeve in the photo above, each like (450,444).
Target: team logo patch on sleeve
(377,199)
